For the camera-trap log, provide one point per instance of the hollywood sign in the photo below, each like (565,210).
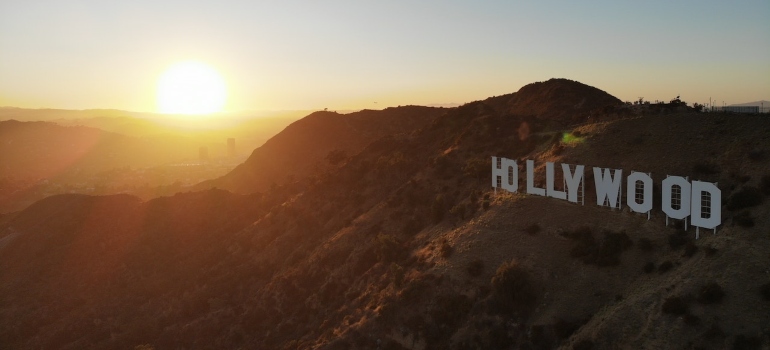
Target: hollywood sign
(680,197)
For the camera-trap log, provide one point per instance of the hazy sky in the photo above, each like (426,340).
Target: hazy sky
(350,54)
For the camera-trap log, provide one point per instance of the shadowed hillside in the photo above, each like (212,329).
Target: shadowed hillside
(306,146)
(402,244)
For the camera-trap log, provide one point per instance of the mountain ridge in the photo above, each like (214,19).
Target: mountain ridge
(404,245)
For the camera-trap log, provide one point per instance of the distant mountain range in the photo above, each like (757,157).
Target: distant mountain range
(760,103)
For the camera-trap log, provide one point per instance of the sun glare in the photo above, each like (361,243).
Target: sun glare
(191,88)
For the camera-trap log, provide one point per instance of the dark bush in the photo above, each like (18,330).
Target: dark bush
(512,288)
(585,344)
(412,227)
(690,249)
(743,342)
(677,240)
(438,209)
(764,184)
(665,267)
(710,251)
(765,291)
(397,274)
(475,267)
(532,229)
(747,197)
(705,168)
(744,219)
(711,293)
(675,305)
(606,253)
(336,156)
(563,329)
(756,155)
(450,310)
(458,211)
(713,332)
(691,320)
(446,250)
(388,248)
(390,344)
(649,267)
(645,244)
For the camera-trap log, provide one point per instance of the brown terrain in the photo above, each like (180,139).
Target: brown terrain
(307,146)
(380,230)
(107,152)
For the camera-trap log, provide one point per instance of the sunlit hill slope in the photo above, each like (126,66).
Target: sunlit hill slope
(399,242)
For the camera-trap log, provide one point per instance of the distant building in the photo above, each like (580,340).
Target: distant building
(741,109)
(231,147)
(203,154)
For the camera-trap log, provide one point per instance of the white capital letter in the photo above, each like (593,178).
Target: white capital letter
(511,182)
(684,207)
(573,181)
(714,218)
(531,189)
(607,186)
(549,179)
(646,204)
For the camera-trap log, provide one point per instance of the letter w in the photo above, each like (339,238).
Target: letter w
(608,186)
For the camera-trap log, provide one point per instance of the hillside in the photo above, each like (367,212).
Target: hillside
(403,244)
(303,148)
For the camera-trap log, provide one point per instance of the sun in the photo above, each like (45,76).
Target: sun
(191,87)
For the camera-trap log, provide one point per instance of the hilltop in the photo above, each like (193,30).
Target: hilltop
(402,244)
(306,147)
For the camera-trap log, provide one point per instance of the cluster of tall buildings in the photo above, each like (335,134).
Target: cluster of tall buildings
(203,151)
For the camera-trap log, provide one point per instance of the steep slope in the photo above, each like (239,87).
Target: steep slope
(406,246)
(301,149)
